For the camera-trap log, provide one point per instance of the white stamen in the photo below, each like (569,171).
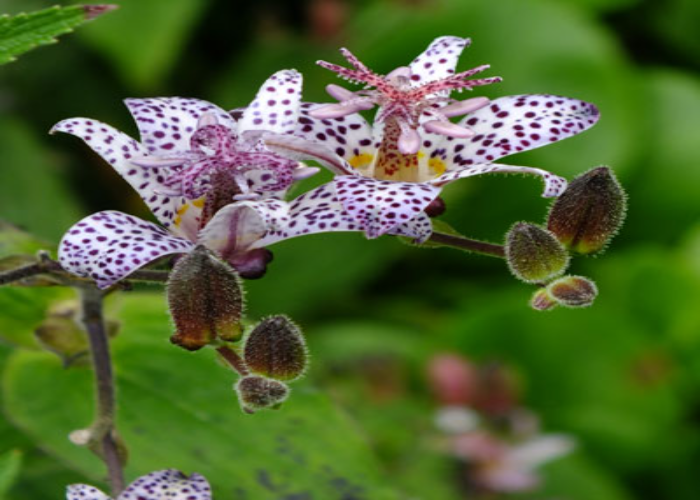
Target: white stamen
(158,162)
(409,141)
(339,93)
(463,107)
(304,172)
(448,128)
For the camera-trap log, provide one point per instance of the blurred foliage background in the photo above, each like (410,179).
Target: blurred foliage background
(623,377)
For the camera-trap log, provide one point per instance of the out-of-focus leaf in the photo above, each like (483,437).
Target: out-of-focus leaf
(23,32)
(575,477)
(10,463)
(184,414)
(32,192)
(144,38)
(308,272)
(676,21)
(668,188)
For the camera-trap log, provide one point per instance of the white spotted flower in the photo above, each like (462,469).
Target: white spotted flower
(413,141)
(167,484)
(110,245)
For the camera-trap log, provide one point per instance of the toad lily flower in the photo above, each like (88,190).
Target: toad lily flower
(108,246)
(161,485)
(414,143)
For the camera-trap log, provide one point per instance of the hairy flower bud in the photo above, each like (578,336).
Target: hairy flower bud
(533,254)
(542,301)
(590,212)
(573,291)
(276,349)
(205,299)
(256,393)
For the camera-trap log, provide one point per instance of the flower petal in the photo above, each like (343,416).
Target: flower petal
(518,123)
(108,246)
(166,124)
(554,185)
(238,227)
(379,206)
(84,492)
(118,149)
(168,485)
(276,107)
(349,137)
(438,61)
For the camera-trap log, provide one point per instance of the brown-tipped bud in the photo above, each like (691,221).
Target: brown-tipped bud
(533,254)
(256,393)
(436,208)
(590,212)
(573,291)
(542,301)
(276,349)
(205,299)
(252,265)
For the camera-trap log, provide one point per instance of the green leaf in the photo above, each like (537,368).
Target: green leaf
(179,410)
(144,38)
(33,193)
(9,469)
(24,32)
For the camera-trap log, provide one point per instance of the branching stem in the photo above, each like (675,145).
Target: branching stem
(233,359)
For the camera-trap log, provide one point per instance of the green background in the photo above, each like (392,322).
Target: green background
(623,377)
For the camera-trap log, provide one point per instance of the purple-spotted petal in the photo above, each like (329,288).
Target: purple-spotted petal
(379,206)
(166,124)
(84,492)
(554,185)
(438,61)
(239,227)
(349,137)
(518,123)
(118,149)
(276,107)
(419,228)
(168,485)
(108,246)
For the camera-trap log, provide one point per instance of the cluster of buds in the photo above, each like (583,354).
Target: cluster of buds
(499,441)
(581,221)
(205,297)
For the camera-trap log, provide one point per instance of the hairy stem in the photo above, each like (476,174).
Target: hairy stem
(233,359)
(103,429)
(468,244)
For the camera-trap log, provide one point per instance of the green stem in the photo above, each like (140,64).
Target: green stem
(233,359)
(468,244)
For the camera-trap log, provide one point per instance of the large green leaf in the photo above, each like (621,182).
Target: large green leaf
(178,410)
(9,469)
(23,32)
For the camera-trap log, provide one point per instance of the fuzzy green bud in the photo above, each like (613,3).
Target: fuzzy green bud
(257,393)
(542,301)
(276,349)
(533,254)
(205,299)
(573,291)
(590,212)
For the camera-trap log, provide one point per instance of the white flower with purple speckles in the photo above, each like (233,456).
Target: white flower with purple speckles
(414,143)
(160,485)
(184,142)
